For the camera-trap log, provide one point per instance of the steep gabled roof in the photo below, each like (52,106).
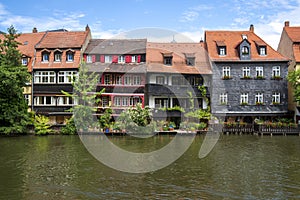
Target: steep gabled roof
(116,46)
(293,33)
(63,39)
(232,39)
(179,52)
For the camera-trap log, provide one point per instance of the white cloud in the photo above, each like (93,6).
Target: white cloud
(192,14)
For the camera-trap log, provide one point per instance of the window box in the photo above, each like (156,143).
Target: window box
(246,77)
(276,78)
(259,103)
(244,104)
(226,77)
(275,103)
(260,77)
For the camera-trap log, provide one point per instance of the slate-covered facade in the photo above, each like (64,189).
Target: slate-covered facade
(249,77)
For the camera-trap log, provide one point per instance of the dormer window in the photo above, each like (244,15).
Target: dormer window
(261,48)
(245,50)
(57,56)
(190,59)
(221,46)
(24,61)
(168,58)
(45,56)
(70,56)
(262,51)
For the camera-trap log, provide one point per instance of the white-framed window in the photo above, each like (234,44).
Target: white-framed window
(276,98)
(24,61)
(222,51)
(245,50)
(108,59)
(124,101)
(70,56)
(117,101)
(45,56)
(259,71)
(118,80)
(223,98)
(121,59)
(134,100)
(134,59)
(44,101)
(67,76)
(276,71)
(57,56)
(259,98)
(107,79)
(262,51)
(89,59)
(226,72)
(66,101)
(127,80)
(27,98)
(136,80)
(44,77)
(105,101)
(244,98)
(160,80)
(161,103)
(168,60)
(246,72)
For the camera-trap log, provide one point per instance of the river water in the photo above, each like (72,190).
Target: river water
(239,167)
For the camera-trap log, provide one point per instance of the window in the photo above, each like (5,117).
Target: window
(105,101)
(117,80)
(45,77)
(45,56)
(161,103)
(127,80)
(89,59)
(276,71)
(244,98)
(246,72)
(134,59)
(134,100)
(124,101)
(107,80)
(63,101)
(262,51)
(136,80)
(24,61)
(259,72)
(57,56)
(160,80)
(168,60)
(70,56)
(117,101)
(195,81)
(276,98)
(121,59)
(67,76)
(259,98)
(222,51)
(27,98)
(47,100)
(245,50)
(223,98)
(108,59)
(226,72)
(190,61)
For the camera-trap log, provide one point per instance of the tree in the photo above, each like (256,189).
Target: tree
(84,92)
(294,79)
(42,125)
(14,116)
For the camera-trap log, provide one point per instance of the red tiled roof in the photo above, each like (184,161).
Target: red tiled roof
(179,51)
(232,39)
(52,40)
(293,33)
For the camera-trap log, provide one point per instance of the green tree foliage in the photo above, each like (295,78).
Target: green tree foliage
(70,128)
(294,79)
(42,125)
(13,77)
(84,91)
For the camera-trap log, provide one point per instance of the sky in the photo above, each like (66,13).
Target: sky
(138,18)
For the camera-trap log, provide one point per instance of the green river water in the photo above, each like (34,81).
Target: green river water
(238,167)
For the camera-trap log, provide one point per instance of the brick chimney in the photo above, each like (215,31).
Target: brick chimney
(286,24)
(251,28)
(34,30)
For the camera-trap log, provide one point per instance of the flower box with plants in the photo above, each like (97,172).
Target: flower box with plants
(260,77)
(276,78)
(226,77)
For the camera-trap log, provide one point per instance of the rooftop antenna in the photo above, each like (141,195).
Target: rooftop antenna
(173,41)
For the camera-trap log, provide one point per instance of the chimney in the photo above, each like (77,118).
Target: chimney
(251,28)
(286,24)
(34,30)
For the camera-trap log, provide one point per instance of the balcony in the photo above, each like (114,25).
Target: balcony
(51,88)
(122,89)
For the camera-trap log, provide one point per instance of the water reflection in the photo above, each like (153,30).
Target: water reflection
(239,167)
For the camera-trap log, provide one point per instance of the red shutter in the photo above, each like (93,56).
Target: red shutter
(115,59)
(102,59)
(93,58)
(84,57)
(139,58)
(128,59)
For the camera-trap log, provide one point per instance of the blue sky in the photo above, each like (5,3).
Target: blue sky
(188,17)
